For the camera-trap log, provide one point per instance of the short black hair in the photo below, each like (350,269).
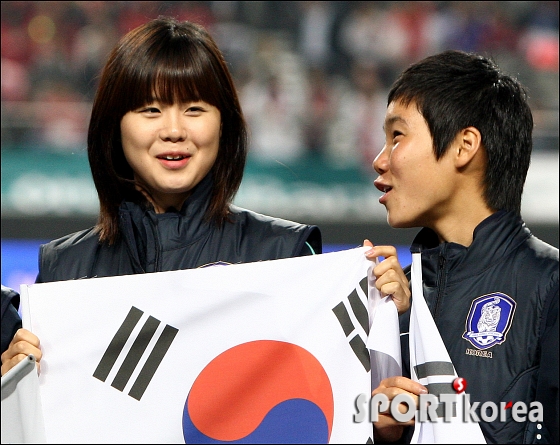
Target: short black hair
(454,90)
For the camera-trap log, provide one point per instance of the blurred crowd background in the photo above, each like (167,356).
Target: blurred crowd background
(312,75)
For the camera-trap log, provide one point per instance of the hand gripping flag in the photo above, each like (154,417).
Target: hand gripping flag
(272,351)
(431,365)
(20,394)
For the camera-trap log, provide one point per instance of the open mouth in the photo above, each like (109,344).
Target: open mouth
(174,161)
(383,188)
(172,158)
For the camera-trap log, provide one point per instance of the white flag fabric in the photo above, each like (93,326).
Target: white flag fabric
(272,351)
(22,415)
(384,336)
(431,365)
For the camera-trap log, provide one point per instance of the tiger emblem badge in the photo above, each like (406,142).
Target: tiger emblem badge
(489,320)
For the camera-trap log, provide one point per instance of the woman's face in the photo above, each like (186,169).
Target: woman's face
(171,148)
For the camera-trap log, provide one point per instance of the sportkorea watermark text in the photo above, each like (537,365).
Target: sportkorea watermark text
(443,408)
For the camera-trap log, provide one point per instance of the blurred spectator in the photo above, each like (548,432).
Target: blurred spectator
(539,42)
(321,111)
(373,34)
(91,45)
(469,27)
(301,67)
(274,101)
(316,23)
(62,116)
(15,81)
(14,41)
(237,40)
(414,19)
(356,130)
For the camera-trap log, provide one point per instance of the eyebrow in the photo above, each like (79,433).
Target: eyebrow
(391,120)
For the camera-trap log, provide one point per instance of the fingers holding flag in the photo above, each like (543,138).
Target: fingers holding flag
(387,428)
(23,344)
(391,280)
(395,385)
(389,275)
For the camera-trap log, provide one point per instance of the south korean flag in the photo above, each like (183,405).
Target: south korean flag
(272,351)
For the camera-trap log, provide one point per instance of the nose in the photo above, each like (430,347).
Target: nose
(174,126)
(381,161)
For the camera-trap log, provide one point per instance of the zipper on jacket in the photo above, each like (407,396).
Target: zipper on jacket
(440,280)
(129,241)
(157,246)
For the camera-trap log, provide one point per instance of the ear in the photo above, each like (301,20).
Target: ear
(468,144)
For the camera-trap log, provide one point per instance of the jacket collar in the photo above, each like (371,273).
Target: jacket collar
(147,233)
(493,240)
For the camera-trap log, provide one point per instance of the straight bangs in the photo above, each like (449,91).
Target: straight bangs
(172,70)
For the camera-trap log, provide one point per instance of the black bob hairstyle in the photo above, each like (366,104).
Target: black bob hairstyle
(169,61)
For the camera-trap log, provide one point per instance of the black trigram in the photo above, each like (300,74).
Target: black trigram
(137,349)
(360,311)
(424,370)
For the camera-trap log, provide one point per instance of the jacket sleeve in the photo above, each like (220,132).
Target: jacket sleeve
(311,244)
(11,320)
(547,382)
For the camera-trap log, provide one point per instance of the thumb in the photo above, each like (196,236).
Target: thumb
(368,243)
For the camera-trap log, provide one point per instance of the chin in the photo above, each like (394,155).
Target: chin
(174,189)
(399,223)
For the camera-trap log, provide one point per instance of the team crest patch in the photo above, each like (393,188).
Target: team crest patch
(489,320)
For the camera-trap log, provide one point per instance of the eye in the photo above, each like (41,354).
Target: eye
(148,110)
(396,134)
(195,110)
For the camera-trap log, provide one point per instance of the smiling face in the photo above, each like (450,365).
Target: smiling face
(171,148)
(418,190)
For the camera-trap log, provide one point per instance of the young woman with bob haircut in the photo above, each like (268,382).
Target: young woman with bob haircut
(167,145)
(166,62)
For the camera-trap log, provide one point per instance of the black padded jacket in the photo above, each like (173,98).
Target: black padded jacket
(11,320)
(504,260)
(175,240)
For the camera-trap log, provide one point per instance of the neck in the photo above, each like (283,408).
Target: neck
(459,228)
(163,202)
